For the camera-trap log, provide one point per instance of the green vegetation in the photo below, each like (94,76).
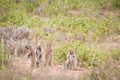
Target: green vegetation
(87,56)
(107,70)
(83,17)
(79,21)
(3,56)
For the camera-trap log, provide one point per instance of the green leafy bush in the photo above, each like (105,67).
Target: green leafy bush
(85,54)
(17,17)
(107,70)
(3,56)
(115,54)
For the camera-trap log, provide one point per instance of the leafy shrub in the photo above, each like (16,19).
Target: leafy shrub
(115,54)
(85,54)
(17,17)
(107,71)
(33,22)
(3,56)
(116,3)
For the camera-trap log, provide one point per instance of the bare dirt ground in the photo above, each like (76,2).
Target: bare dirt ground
(22,66)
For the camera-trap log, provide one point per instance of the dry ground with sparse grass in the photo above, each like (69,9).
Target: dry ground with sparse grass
(22,66)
